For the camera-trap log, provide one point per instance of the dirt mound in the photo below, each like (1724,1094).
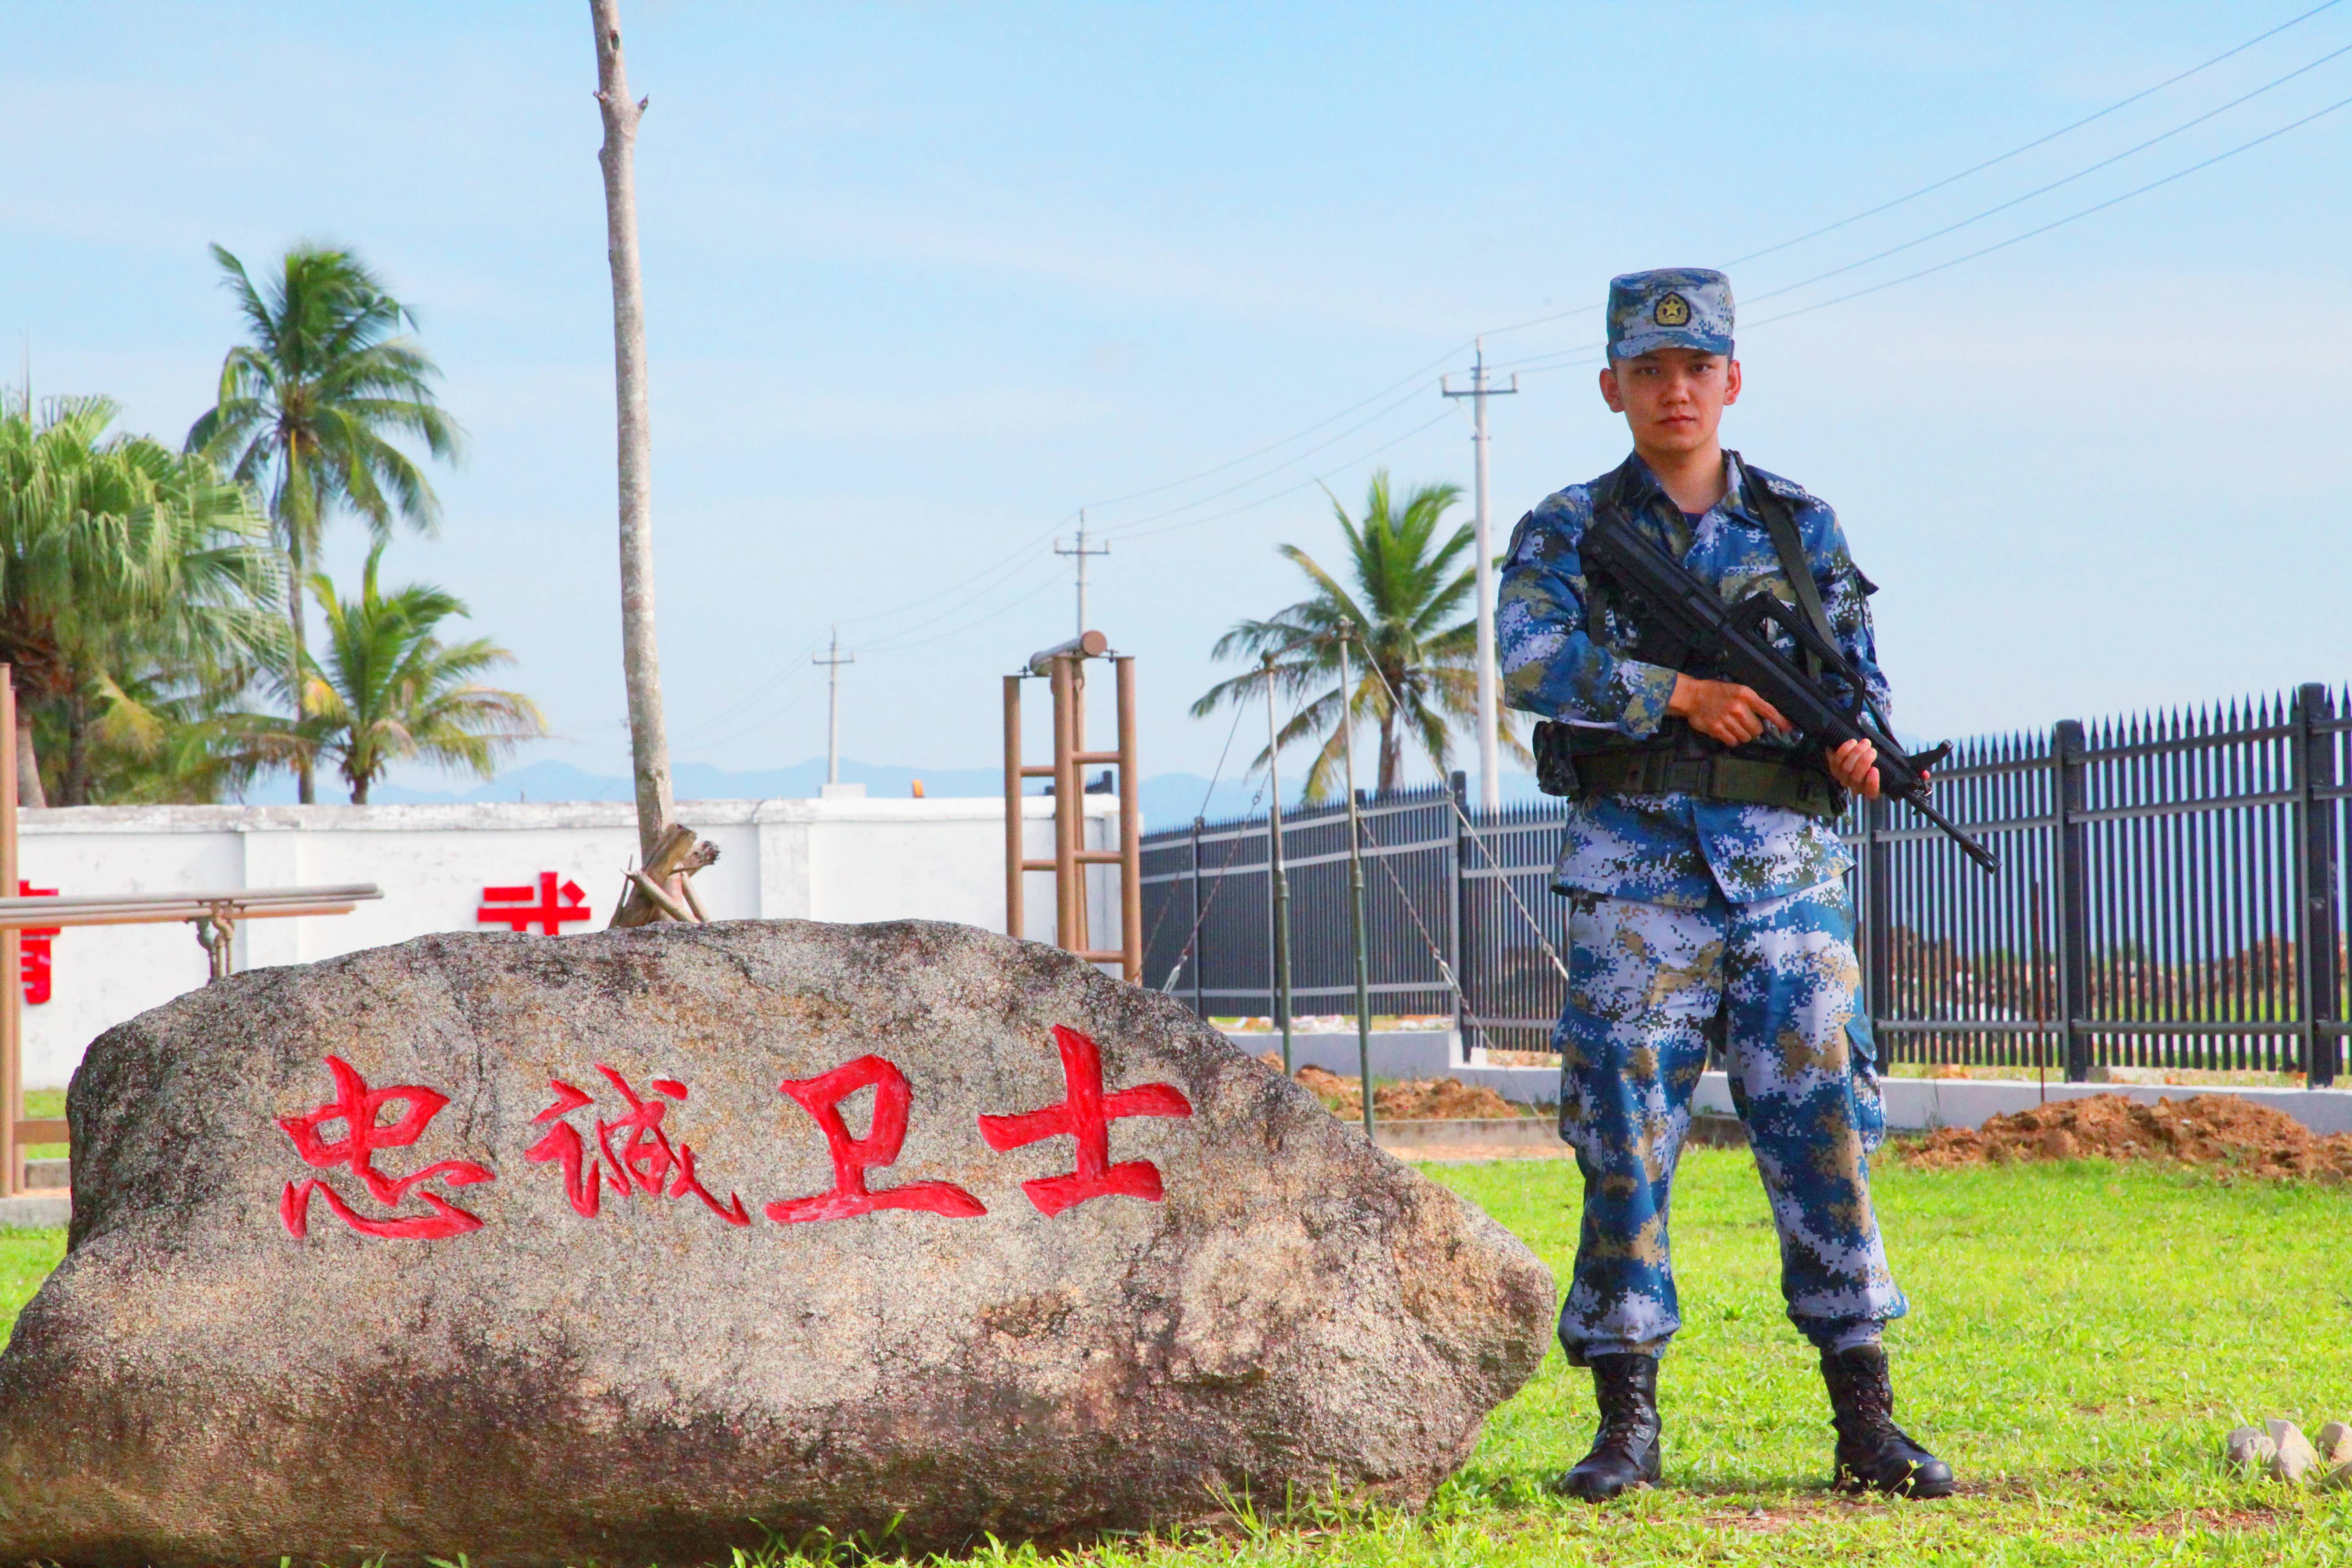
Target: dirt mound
(2204,1129)
(1424,1099)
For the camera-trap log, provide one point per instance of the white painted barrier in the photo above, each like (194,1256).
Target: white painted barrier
(836,859)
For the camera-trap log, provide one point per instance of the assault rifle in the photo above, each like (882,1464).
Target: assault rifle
(1686,621)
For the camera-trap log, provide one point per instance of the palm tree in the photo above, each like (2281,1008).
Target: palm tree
(125,567)
(169,740)
(1407,584)
(307,411)
(390,691)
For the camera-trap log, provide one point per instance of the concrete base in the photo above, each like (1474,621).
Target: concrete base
(1923,1104)
(1406,1138)
(1410,1054)
(36,1211)
(41,1175)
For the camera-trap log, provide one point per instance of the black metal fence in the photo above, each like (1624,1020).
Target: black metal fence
(2171,895)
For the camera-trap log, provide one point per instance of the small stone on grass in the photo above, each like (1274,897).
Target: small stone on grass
(2334,1442)
(2294,1456)
(2249,1450)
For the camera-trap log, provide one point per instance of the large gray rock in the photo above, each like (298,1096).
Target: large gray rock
(1254,1301)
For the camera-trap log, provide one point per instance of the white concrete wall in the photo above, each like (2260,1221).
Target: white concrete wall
(841,859)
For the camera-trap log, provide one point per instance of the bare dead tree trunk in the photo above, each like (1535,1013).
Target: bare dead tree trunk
(640,658)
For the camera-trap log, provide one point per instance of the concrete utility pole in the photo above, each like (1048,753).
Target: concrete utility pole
(833,660)
(640,656)
(1081,553)
(1079,711)
(1490,717)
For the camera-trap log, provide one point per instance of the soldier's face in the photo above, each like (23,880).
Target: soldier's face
(1673,399)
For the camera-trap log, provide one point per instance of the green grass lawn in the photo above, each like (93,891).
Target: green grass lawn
(2081,1338)
(45,1105)
(25,1259)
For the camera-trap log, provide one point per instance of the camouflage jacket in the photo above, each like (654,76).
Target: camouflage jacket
(1671,850)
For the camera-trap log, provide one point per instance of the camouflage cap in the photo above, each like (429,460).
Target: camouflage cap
(1669,308)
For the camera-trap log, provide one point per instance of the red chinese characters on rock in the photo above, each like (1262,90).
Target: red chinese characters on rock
(1085,1115)
(633,1155)
(646,1163)
(557,907)
(853,1157)
(34,951)
(360,1112)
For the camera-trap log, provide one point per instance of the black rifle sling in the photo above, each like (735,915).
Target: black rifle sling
(1600,594)
(1781,524)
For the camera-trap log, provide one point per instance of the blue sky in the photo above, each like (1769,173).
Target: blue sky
(923,281)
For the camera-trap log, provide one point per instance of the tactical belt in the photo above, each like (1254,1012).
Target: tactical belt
(1750,780)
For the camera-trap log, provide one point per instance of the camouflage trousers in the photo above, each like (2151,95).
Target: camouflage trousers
(1774,983)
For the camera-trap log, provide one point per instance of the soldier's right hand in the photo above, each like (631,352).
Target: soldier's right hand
(1723,710)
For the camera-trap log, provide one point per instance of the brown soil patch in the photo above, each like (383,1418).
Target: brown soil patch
(2215,1129)
(1424,1099)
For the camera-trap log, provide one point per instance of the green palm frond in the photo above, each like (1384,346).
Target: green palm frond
(136,587)
(386,689)
(312,409)
(1394,597)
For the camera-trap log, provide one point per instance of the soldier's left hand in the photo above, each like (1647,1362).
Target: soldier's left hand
(1855,766)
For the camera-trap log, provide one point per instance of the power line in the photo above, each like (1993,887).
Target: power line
(1303,484)
(1949,179)
(1050,580)
(704,737)
(2039,141)
(1286,440)
(1536,363)
(1130,526)
(2061,223)
(1003,567)
(2045,190)
(696,732)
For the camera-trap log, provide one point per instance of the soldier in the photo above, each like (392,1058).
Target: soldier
(1707,905)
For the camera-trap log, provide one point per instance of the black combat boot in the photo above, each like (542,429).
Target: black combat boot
(1625,1449)
(1873,1453)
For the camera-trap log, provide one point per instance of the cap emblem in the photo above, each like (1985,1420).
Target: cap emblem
(1672,311)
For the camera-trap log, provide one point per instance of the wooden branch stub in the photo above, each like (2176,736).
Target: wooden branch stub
(658,891)
(670,908)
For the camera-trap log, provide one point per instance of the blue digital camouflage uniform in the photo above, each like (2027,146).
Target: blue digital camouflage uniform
(1698,919)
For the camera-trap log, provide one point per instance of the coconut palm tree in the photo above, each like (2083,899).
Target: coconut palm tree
(1405,583)
(388,689)
(164,738)
(125,567)
(307,411)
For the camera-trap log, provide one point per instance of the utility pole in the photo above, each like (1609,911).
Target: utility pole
(1081,553)
(833,660)
(1490,718)
(1083,629)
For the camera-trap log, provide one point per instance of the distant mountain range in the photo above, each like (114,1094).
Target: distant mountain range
(1167,800)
